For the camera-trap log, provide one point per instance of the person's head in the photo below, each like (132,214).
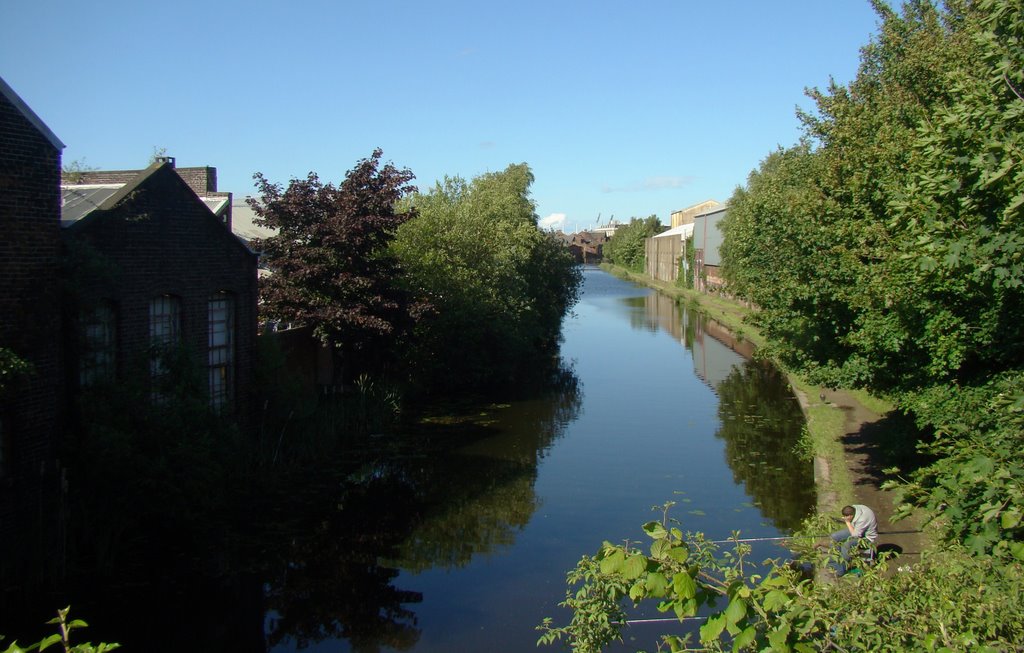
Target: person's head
(848,511)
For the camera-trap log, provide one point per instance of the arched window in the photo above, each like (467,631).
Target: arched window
(221,355)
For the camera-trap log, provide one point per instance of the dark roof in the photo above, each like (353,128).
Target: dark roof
(81,200)
(82,203)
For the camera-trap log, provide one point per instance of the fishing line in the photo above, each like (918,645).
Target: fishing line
(795,537)
(630,622)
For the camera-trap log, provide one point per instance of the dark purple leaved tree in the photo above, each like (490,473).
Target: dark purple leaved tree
(329,263)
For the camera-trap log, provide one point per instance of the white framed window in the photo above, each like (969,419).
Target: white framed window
(221,321)
(99,347)
(164,334)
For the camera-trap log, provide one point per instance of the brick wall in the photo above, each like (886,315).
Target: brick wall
(203,180)
(29,326)
(161,240)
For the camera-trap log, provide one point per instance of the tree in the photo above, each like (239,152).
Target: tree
(894,246)
(626,247)
(497,284)
(843,304)
(329,261)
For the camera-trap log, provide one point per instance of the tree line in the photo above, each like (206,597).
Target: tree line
(447,290)
(882,251)
(893,238)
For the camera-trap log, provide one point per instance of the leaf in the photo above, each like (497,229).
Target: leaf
(712,629)
(744,639)
(684,586)
(775,600)
(737,610)
(679,553)
(661,549)
(634,566)
(1010,518)
(50,641)
(636,592)
(655,529)
(612,563)
(657,584)
(1017,549)
(779,637)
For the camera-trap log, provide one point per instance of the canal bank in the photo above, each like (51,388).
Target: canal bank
(845,428)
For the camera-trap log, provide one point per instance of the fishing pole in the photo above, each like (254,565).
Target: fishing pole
(796,537)
(630,622)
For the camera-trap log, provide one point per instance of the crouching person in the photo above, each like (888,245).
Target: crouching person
(860,525)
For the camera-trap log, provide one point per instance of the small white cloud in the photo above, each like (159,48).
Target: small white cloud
(658,183)
(651,183)
(553,221)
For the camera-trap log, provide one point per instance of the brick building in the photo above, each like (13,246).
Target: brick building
(30,422)
(201,179)
(99,275)
(154,267)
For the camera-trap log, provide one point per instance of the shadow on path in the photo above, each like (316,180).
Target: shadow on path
(871,444)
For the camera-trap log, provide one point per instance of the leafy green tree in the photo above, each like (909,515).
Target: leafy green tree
(626,247)
(894,244)
(841,304)
(498,286)
(962,242)
(329,260)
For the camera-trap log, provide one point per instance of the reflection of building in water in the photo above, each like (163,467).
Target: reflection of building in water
(715,350)
(663,312)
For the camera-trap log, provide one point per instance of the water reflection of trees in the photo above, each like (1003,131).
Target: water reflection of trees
(761,419)
(761,423)
(328,581)
(466,506)
(474,501)
(291,562)
(427,504)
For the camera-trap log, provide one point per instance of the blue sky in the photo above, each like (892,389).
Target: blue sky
(620,108)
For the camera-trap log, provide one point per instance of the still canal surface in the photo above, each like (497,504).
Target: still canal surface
(655,409)
(408,549)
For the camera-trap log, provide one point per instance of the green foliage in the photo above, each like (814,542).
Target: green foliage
(687,265)
(950,601)
(497,285)
(12,368)
(894,243)
(974,488)
(626,247)
(63,638)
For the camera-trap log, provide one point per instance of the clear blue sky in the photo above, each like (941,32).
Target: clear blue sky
(620,108)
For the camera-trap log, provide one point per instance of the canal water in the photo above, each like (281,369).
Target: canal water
(457,535)
(656,405)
